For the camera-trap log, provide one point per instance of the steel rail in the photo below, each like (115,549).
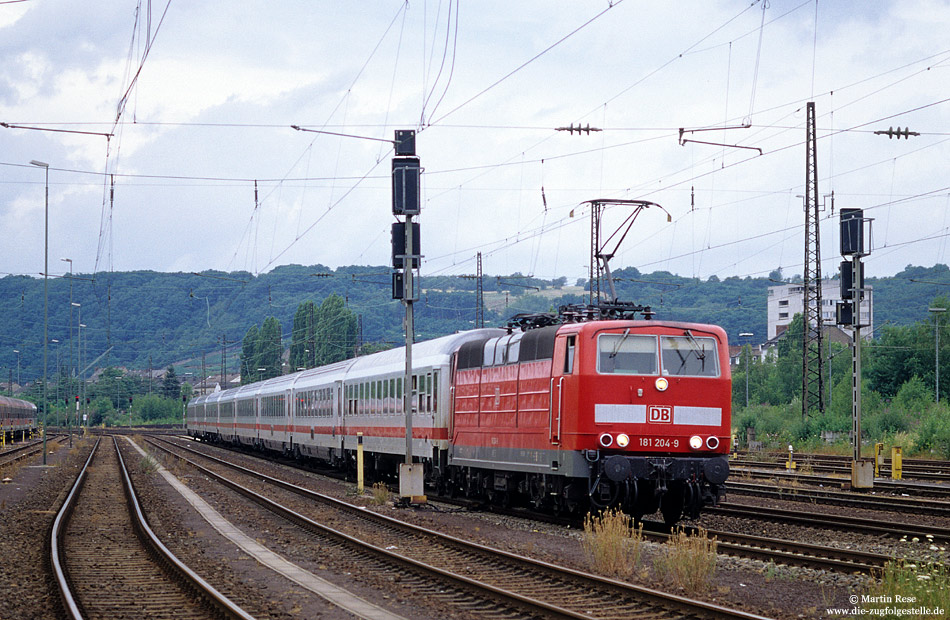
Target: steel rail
(839,522)
(896,504)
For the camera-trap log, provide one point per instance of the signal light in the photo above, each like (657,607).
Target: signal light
(695,442)
(606,440)
(662,383)
(623,440)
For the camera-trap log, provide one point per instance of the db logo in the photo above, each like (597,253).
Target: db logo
(660,415)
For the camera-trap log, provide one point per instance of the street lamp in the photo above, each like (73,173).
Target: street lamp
(17,368)
(746,335)
(260,375)
(45,166)
(936,312)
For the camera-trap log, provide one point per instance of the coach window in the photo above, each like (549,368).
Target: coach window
(435,391)
(569,355)
(429,401)
(626,354)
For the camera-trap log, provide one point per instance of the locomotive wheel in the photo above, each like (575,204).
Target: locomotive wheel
(671,505)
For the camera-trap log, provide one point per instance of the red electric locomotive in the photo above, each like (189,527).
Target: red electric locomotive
(628,413)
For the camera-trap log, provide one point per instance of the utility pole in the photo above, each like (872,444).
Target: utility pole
(479,296)
(813,393)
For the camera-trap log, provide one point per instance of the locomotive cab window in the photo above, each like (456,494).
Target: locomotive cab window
(689,356)
(625,354)
(569,355)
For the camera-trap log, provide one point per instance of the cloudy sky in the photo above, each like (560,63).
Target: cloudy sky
(202,169)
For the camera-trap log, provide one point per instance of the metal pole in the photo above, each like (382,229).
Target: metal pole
(408,292)
(45,304)
(936,312)
(856,365)
(748,351)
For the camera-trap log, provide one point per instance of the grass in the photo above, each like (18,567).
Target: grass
(380,493)
(689,562)
(922,586)
(148,465)
(611,544)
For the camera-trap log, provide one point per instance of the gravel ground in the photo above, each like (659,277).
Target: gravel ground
(28,505)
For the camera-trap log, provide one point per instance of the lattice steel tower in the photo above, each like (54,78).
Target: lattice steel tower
(812,360)
(479,296)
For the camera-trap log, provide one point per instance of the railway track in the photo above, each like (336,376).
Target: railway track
(922,469)
(735,544)
(466,575)
(21,453)
(875,526)
(856,500)
(106,561)
(931,489)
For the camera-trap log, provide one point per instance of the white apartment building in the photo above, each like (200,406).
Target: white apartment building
(787,300)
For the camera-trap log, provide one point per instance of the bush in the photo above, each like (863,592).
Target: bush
(933,435)
(612,547)
(688,561)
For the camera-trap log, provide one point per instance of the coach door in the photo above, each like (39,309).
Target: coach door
(562,367)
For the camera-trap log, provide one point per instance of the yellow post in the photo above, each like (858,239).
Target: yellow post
(878,449)
(359,463)
(790,465)
(896,463)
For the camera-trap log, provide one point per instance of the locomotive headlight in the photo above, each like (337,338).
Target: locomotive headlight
(662,383)
(622,440)
(695,442)
(606,440)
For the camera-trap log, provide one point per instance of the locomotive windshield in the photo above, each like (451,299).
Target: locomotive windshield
(626,355)
(689,356)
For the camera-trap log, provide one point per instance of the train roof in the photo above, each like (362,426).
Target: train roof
(16,402)
(597,326)
(435,352)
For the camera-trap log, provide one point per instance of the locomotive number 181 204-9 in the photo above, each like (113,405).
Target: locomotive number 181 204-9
(659,442)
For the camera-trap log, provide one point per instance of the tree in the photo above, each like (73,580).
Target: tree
(335,331)
(270,350)
(303,337)
(171,386)
(249,355)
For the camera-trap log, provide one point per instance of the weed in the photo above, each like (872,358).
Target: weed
(926,584)
(611,544)
(688,561)
(148,465)
(380,493)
